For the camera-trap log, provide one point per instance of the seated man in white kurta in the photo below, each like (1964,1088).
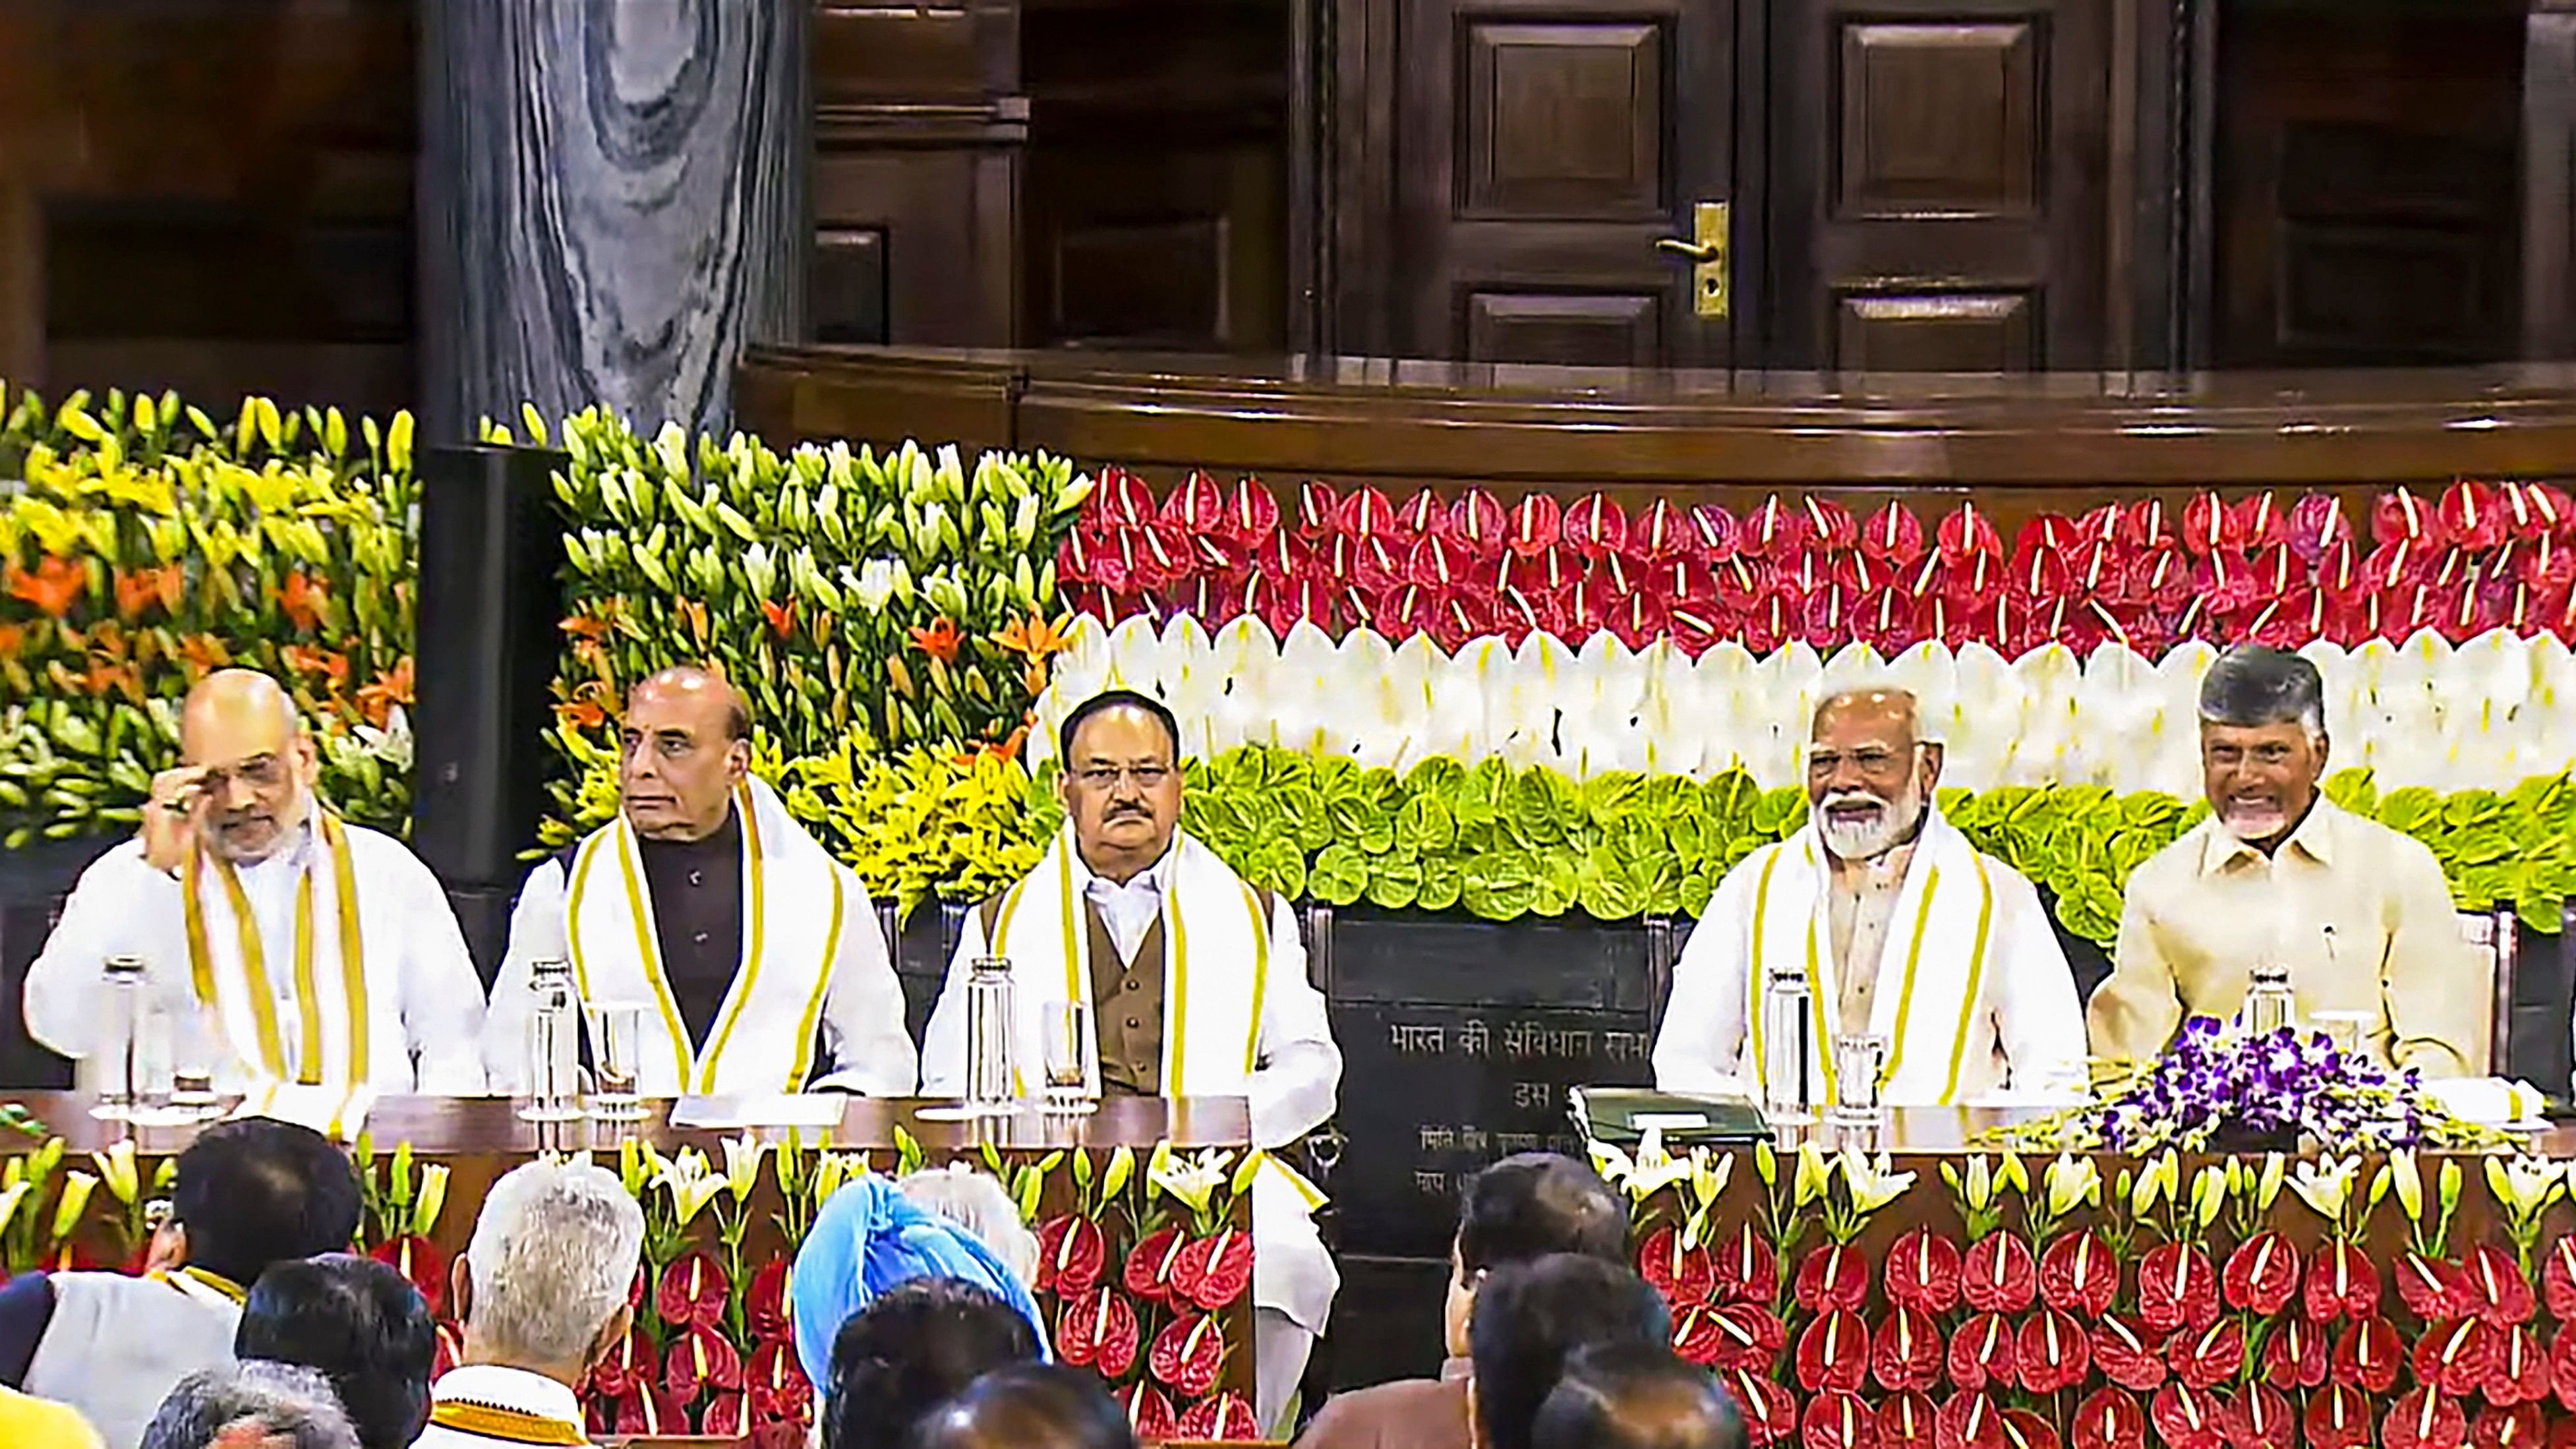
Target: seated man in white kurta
(748,949)
(1197,985)
(320,952)
(1904,930)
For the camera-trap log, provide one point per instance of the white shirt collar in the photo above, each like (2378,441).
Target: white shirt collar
(497,1387)
(1149,881)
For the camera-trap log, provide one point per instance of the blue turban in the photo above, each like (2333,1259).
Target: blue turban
(868,1239)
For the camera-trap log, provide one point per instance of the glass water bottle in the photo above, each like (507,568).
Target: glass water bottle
(2270,1005)
(1788,1047)
(115,1073)
(554,1045)
(991,1082)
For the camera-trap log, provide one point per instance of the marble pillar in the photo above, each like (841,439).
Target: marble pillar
(612,203)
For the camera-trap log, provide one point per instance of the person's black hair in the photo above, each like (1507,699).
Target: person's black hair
(363,1325)
(1530,1317)
(259,1191)
(1109,699)
(2253,685)
(1636,1396)
(1028,1406)
(737,718)
(1535,1203)
(906,1353)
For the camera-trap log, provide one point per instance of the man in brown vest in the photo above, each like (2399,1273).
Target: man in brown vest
(1152,919)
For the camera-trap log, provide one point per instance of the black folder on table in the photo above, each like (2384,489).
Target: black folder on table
(1620,1115)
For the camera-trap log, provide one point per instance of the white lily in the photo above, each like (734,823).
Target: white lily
(116,1168)
(1872,1185)
(1191,1181)
(10,1198)
(1815,1175)
(1708,1174)
(692,1183)
(2326,1185)
(2072,1181)
(742,1157)
(1613,1164)
(1655,1168)
(2525,1184)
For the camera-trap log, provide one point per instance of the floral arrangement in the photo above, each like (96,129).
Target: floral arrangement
(1846,1304)
(2216,1084)
(143,544)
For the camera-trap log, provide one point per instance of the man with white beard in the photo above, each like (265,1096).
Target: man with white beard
(2358,914)
(1902,929)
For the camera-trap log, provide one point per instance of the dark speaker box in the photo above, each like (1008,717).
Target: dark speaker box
(491,543)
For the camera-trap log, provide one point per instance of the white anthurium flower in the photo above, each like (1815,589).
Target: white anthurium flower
(1855,665)
(1135,655)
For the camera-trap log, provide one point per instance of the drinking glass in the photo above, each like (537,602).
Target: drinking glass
(614,1029)
(2343,1029)
(1860,1059)
(1071,1050)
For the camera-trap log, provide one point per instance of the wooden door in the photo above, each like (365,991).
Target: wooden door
(1541,147)
(1937,184)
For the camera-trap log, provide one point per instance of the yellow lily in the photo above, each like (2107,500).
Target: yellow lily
(2071,1181)
(1708,1174)
(692,1183)
(742,1165)
(1191,1181)
(77,1186)
(1815,1175)
(117,1169)
(433,1197)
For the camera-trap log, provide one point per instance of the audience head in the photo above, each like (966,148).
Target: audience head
(909,1351)
(870,1238)
(1870,773)
(358,1322)
(251,1405)
(2262,741)
(1028,1406)
(683,746)
(1636,1396)
(977,1202)
(241,729)
(1527,1206)
(1530,1317)
(258,1191)
(1120,780)
(542,1285)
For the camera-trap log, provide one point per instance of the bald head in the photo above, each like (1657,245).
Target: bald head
(241,730)
(1869,771)
(684,746)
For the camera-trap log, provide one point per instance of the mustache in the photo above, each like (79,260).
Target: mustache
(1842,798)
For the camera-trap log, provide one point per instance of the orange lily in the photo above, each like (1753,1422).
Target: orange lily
(590,707)
(939,641)
(585,626)
(105,675)
(1033,638)
(304,599)
(53,588)
(782,620)
(304,660)
(694,615)
(13,637)
(138,590)
(393,687)
(204,654)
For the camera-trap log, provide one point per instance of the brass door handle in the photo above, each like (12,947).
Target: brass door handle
(1706,248)
(1696,251)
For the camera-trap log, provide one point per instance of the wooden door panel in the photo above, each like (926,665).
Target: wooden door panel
(1541,148)
(1937,184)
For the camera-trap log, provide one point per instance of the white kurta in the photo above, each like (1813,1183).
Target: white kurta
(813,958)
(1240,1020)
(418,994)
(1974,992)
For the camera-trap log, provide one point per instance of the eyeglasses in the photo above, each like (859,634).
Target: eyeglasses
(261,772)
(1106,777)
(1874,763)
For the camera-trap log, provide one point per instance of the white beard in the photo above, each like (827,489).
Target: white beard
(1875,836)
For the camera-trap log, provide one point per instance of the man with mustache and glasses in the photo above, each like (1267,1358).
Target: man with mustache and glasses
(2277,874)
(1197,987)
(1903,930)
(309,950)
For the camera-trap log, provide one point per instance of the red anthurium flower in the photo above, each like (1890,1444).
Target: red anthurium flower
(2127,1357)
(1774,530)
(1969,1421)
(2558,1278)
(2206,526)
(449,1338)
(777,1385)
(2188,1418)
(1681,581)
(1907,1420)
(2490,1285)
(1694,627)
(1123,497)
(1830,525)
(2147,523)
(2227,581)
(652,1413)
(1744,582)
(1659,533)
(1251,514)
(2342,1282)
(2473,516)
(2026,1430)
(1072,1254)
(1836,1276)
(1148,1273)
(1770,1417)
(1223,1418)
(764,1303)
(1893,535)
(2368,1355)
(1375,565)
(725,1417)
(2000,1275)
(1097,1328)
(1714,531)
(1365,513)
(421,1265)
(2518,1427)
(1433,564)
(2159,576)
(2053,1352)
(693,1289)
(1697,1338)
(2338,1417)
(1981,1352)
(1535,524)
(2177,1288)
(630,1363)
(2317,523)
(1188,1353)
(1747,1270)
(2455,1356)
(1196,506)
(2077,1274)
(1638,620)
(1681,1275)
(1922,1272)
(701,1360)
(1837,1421)
(2262,1274)
(2518,1368)
(1319,510)
(1905,1356)
(1834,1353)
(1890,621)
(1214,1271)
(2429,1288)
(2401,515)
(2108,1419)
(1148,1412)
(1750,1337)
(2424,1419)
(2562,1368)
(2259,520)
(1966,532)
(1478,523)
(2042,574)
(2260,1418)
(2211,1357)
(1594,527)
(2296,1356)
(1424,515)
(1826,621)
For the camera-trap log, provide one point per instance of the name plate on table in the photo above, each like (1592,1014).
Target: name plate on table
(802,1111)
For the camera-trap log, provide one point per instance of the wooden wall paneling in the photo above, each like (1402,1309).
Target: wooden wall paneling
(1310,100)
(1939,197)
(1541,148)
(1361,213)
(920,132)
(2549,181)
